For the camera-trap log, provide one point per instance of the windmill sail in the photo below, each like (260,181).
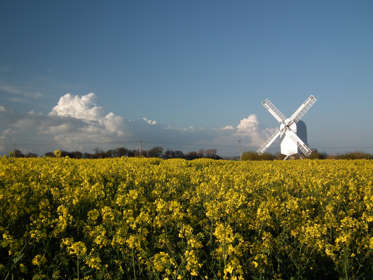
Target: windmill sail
(272,109)
(290,141)
(303,109)
(269,141)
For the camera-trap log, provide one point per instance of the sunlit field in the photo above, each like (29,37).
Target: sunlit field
(175,219)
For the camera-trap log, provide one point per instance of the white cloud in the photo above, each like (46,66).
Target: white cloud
(78,107)
(20,92)
(151,122)
(78,123)
(84,108)
(33,113)
(113,123)
(88,126)
(249,127)
(228,127)
(248,124)
(57,129)
(2,108)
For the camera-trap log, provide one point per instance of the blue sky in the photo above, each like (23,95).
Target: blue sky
(205,64)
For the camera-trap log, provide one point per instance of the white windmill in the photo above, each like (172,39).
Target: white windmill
(290,142)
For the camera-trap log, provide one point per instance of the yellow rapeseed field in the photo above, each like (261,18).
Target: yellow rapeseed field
(131,218)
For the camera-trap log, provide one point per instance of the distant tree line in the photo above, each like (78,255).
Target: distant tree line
(158,152)
(155,152)
(314,155)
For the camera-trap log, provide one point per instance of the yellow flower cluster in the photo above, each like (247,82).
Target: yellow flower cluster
(129,218)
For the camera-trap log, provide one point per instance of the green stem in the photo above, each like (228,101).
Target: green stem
(346,264)
(77,267)
(133,264)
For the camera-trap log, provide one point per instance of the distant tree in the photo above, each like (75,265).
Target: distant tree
(109,154)
(317,155)
(120,152)
(355,155)
(192,155)
(266,156)
(201,153)
(65,153)
(49,154)
(250,156)
(255,156)
(155,152)
(179,154)
(16,153)
(169,154)
(99,153)
(31,155)
(87,155)
(173,154)
(75,154)
(131,153)
(211,153)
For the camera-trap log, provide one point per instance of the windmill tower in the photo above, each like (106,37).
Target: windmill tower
(291,129)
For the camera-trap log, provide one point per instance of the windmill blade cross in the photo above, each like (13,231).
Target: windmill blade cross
(302,146)
(303,109)
(269,141)
(272,109)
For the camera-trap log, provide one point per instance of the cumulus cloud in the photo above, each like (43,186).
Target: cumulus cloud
(84,108)
(250,127)
(248,124)
(78,107)
(85,124)
(76,122)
